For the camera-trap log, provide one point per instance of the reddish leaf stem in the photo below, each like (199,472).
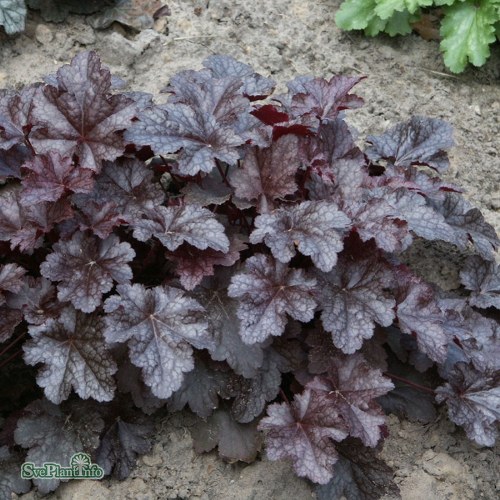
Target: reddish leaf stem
(6,361)
(410,383)
(15,341)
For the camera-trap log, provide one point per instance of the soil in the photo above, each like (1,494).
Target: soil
(283,39)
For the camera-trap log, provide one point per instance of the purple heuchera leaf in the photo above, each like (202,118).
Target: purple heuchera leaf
(12,160)
(160,324)
(80,116)
(199,122)
(333,142)
(74,355)
(324,99)
(315,227)
(469,223)
(11,280)
(9,319)
(353,299)
(127,183)
(129,380)
(87,267)
(418,313)
(53,436)
(351,387)
(192,264)
(267,292)
(190,223)
(200,390)
(51,176)
(304,432)
(483,279)
(24,225)
(254,85)
(120,446)
(268,173)
(16,110)
(100,218)
(420,140)
(236,442)
(224,326)
(37,300)
(10,480)
(473,400)
(359,474)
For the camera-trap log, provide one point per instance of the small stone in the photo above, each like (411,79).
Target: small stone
(85,35)
(443,466)
(43,34)
(364,44)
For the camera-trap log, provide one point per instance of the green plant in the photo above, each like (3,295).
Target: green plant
(468,27)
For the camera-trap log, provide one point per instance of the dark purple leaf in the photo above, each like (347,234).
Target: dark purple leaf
(12,160)
(11,280)
(254,85)
(267,173)
(304,432)
(129,380)
(353,299)
(483,279)
(100,218)
(315,228)
(52,435)
(37,300)
(9,319)
(418,141)
(10,479)
(418,313)
(351,387)
(199,121)
(200,390)
(210,191)
(236,442)
(127,183)
(224,326)
(359,474)
(51,176)
(192,264)
(161,325)
(469,223)
(473,400)
(190,223)
(16,116)
(87,267)
(254,393)
(74,355)
(267,292)
(80,116)
(120,445)
(324,99)
(24,226)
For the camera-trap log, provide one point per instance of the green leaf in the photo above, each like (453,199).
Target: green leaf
(360,15)
(356,14)
(386,8)
(399,23)
(12,15)
(467,30)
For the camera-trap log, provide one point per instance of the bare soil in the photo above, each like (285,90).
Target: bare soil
(283,39)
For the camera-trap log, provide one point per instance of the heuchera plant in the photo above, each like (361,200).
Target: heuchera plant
(238,254)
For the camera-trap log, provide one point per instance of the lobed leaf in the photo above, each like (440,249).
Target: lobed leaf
(161,325)
(267,292)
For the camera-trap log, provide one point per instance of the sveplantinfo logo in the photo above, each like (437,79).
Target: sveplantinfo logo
(80,467)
